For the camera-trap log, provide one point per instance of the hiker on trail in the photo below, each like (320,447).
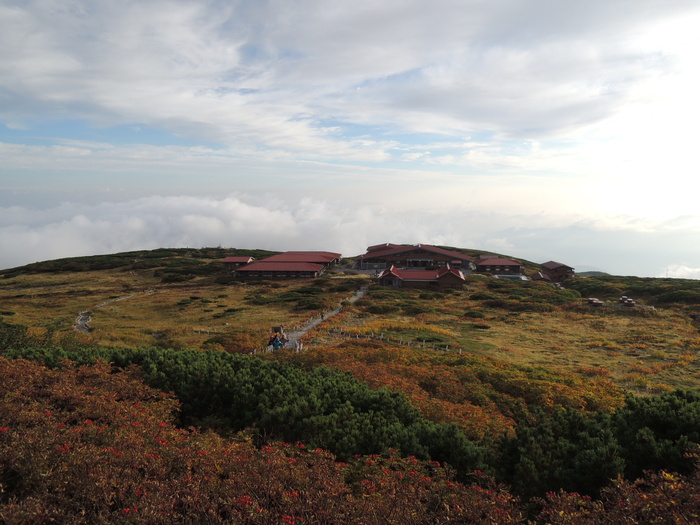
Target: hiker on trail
(277,342)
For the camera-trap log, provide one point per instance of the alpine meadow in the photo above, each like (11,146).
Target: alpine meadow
(142,387)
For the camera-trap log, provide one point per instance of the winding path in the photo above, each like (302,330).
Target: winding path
(293,337)
(81,322)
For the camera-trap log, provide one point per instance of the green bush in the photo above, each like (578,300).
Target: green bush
(281,401)
(562,450)
(680,296)
(657,432)
(595,287)
(311,303)
(415,309)
(381,309)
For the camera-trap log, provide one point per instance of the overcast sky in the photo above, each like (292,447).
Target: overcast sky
(540,129)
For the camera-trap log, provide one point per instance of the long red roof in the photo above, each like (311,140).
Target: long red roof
(382,246)
(421,275)
(281,266)
(392,249)
(310,257)
(498,261)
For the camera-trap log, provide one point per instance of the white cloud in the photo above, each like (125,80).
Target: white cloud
(266,76)
(679,271)
(268,221)
(461,122)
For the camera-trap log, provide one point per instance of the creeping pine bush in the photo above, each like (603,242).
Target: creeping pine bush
(562,450)
(658,432)
(281,401)
(84,445)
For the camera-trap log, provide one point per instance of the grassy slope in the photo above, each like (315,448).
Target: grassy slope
(132,306)
(636,349)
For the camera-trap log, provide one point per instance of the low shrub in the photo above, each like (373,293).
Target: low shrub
(86,445)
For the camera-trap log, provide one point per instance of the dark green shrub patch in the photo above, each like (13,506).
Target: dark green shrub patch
(281,401)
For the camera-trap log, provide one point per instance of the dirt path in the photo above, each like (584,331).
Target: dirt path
(81,322)
(293,337)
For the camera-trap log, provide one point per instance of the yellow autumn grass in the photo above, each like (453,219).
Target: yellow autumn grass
(383,325)
(605,343)
(134,308)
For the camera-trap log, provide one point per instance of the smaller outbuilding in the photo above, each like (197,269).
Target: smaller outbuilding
(233,262)
(443,278)
(499,265)
(557,272)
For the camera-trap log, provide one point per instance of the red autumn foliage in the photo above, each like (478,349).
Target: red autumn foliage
(87,445)
(662,498)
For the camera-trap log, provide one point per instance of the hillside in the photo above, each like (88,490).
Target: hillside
(182,298)
(465,378)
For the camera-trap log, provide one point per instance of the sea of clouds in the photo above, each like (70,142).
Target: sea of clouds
(273,223)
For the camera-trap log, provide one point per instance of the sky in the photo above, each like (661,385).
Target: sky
(538,129)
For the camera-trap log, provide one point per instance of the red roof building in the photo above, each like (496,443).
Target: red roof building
(289,265)
(324,258)
(385,246)
(499,265)
(419,256)
(266,269)
(557,272)
(443,278)
(233,262)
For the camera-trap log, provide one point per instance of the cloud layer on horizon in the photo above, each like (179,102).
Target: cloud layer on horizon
(271,223)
